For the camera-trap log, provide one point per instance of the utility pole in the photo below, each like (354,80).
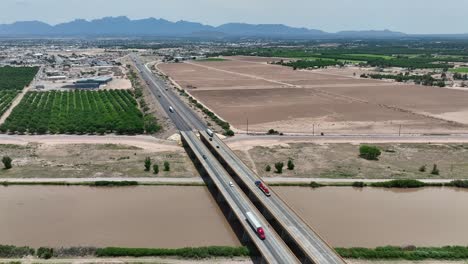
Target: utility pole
(399,131)
(247,126)
(313,129)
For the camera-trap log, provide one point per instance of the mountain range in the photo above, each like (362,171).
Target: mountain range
(123,26)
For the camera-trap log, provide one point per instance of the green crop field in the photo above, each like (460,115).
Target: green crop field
(16,78)
(213,59)
(372,56)
(460,70)
(6,97)
(76,112)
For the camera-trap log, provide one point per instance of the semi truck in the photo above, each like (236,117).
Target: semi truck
(263,188)
(255,224)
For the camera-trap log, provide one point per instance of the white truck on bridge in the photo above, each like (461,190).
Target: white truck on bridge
(255,224)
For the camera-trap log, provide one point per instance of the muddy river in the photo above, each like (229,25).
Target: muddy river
(188,216)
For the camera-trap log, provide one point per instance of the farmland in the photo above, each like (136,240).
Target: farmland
(460,70)
(16,78)
(6,98)
(273,96)
(77,112)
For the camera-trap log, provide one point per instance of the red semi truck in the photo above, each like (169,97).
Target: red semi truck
(263,188)
(255,224)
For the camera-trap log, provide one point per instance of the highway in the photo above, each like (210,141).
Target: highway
(273,248)
(311,243)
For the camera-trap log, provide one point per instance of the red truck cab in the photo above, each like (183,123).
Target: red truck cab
(263,188)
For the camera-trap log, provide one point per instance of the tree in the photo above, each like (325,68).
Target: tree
(268,168)
(147,163)
(422,168)
(290,165)
(167,166)
(7,162)
(155,169)
(279,167)
(369,152)
(229,133)
(435,170)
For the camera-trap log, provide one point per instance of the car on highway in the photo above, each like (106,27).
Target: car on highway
(231,184)
(263,188)
(171,109)
(204,156)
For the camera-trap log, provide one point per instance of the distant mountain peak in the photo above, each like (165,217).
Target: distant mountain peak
(123,26)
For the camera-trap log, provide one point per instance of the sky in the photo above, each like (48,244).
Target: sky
(409,16)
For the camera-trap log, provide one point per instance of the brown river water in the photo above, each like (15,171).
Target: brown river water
(150,216)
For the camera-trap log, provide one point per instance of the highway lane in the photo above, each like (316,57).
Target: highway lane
(307,238)
(184,118)
(277,251)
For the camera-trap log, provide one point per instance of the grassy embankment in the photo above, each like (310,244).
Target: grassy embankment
(380,253)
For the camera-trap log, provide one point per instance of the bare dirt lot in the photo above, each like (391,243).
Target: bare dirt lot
(52,160)
(343,161)
(329,101)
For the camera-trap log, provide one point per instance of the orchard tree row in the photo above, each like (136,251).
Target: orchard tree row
(6,98)
(76,112)
(16,78)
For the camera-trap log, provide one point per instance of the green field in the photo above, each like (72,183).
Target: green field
(460,70)
(77,112)
(213,59)
(16,78)
(6,98)
(372,56)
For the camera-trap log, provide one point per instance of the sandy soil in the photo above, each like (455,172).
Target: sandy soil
(402,160)
(119,84)
(272,96)
(59,157)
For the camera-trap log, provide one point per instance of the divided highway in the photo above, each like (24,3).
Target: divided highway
(311,244)
(313,249)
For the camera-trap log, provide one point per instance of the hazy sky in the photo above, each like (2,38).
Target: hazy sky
(410,16)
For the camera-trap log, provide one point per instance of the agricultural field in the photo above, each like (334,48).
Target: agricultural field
(397,161)
(16,78)
(6,98)
(76,112)
(460,70)
(297,101)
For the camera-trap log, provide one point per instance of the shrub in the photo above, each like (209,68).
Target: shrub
(7,162)
(272,132)
(191,253)
(290,165)
(399,184)
(359,184)
(411,253)
(7,251)
(147,163)
(229,133)
(45,252)
(279,167)
(369,152)
(114,183)
(74,252)
(268,168)
(315,184)
(435,170)
(459,183)
(167,166)
(422,168)
(155,169)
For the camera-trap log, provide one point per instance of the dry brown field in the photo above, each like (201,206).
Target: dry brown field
(328,101)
